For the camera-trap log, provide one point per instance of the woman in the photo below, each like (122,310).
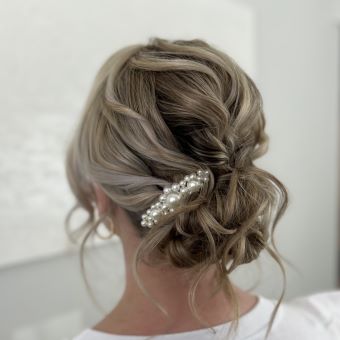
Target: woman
(164,155)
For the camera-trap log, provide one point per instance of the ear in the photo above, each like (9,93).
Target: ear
(102,200)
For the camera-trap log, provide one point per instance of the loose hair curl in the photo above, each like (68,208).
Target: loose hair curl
(157,112)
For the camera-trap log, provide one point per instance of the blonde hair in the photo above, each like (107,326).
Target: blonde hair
(158,112)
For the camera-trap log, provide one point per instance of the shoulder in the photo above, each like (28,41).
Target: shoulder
(322,307)
(84,335)
(315,316)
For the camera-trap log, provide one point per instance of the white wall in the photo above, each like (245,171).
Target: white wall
(297,74)
(50,53)
(336,9)
(295,67)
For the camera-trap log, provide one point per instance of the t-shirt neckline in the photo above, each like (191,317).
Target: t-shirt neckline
(250,323)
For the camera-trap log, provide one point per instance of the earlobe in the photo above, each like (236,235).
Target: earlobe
(101,199)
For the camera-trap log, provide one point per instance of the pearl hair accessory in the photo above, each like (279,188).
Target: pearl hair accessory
(173,196)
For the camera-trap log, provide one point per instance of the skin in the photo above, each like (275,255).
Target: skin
(135,314)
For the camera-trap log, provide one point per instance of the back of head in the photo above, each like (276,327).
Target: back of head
(158,112)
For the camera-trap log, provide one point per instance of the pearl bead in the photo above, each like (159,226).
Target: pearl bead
(193,176)
(143,223)
(192,184)
(186,178)
(166,190)
(172,198)
(162,197)
(175,187)
(155,213)
(148,211)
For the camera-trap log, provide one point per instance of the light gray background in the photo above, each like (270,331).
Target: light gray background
(50,52)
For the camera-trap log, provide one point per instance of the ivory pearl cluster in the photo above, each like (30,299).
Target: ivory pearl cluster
(172,197)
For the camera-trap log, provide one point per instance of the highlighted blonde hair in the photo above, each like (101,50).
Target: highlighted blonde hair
(158,112)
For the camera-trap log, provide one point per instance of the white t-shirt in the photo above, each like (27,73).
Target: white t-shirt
(311,317)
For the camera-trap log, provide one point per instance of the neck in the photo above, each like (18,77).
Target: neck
(169,287)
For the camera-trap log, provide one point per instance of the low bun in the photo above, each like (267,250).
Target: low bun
(158,112)
(231,224)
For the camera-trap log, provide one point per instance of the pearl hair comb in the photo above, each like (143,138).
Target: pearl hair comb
(173,196)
